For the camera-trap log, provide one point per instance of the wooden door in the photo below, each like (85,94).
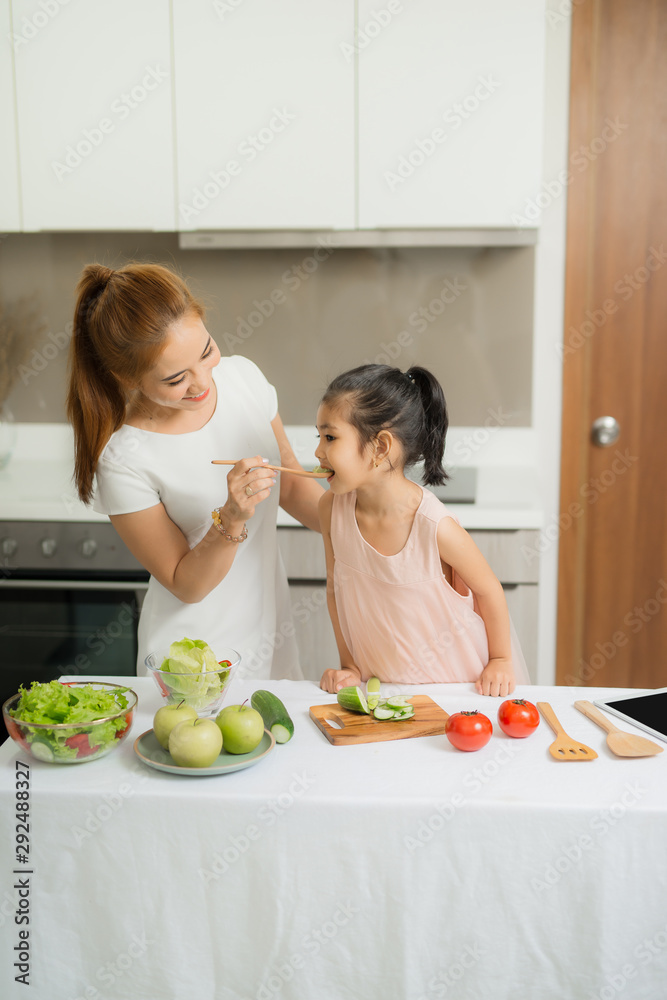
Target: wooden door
(612,593)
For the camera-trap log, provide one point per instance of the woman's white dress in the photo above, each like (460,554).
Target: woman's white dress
(250,609)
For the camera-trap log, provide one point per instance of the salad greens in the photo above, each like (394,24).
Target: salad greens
(196,675)
(55,704)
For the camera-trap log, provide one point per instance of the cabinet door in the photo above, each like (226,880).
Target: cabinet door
(265,114)
(10,208)
(450,112)
(93,85)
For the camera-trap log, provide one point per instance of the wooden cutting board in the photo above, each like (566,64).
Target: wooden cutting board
(429,720)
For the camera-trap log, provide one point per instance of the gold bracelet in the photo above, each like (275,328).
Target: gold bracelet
(215,514)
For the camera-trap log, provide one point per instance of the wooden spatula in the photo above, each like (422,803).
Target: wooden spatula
(619,742)
(564,748)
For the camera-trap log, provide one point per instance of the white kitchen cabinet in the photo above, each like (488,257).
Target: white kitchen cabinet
(303,555)
(450,112)
(93,85)
(265,112)
(10,208)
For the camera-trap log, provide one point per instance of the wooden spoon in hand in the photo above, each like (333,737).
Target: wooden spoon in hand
(318,473)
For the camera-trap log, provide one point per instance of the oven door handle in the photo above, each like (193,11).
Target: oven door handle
(76,584)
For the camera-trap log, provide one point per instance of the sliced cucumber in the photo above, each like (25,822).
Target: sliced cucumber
(404,713)
(41,750)
(383,713)
(397,701)
(353,698)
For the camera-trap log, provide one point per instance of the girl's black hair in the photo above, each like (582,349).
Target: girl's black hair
(410,404)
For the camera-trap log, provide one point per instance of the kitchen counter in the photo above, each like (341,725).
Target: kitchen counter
(400,869)
(37,483)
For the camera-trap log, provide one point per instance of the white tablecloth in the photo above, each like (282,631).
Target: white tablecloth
(403,869)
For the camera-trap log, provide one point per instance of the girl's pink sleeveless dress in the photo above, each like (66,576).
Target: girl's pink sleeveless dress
(400,618)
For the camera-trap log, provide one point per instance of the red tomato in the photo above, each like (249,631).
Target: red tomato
(468,730)
(518,718)
(81,744)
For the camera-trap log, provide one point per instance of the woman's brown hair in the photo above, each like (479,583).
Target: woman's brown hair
(121,320)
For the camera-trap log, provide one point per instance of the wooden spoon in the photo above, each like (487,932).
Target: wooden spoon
(564,748)
(278,468)
(619,742)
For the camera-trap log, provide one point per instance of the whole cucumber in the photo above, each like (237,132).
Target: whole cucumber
(275,715)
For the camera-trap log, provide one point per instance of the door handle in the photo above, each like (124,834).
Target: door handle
(605,431)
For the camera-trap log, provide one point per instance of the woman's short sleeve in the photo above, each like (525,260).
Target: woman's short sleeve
(120,490)
(261,389)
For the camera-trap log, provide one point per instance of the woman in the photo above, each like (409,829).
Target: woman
(152,402)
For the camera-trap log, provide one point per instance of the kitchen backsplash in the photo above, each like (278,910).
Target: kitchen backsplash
(305,315)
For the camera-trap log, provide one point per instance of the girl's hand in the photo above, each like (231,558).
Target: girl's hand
(247,485)
(333,680)
(497,678)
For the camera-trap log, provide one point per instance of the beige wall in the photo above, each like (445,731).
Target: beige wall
(331,311)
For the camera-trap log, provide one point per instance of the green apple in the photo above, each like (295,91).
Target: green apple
(242,728)
(195,743)
(169,716)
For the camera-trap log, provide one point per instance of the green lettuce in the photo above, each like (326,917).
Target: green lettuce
(53,703)
(195,673)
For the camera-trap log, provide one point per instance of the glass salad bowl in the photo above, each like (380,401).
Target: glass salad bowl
(96,718)
(204,690)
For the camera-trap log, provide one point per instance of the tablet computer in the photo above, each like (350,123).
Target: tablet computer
(647,711)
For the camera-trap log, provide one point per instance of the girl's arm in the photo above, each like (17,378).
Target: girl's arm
(162,548)
(299,496)
(458,550)
(349,673)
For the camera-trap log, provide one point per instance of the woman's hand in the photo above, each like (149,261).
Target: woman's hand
(497,678)
(333,680)
(247,485)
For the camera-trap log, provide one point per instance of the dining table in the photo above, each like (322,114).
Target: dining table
(402,869)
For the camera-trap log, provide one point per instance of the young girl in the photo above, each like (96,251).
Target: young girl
(412,600)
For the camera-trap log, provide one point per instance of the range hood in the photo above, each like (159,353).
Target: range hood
(257,239)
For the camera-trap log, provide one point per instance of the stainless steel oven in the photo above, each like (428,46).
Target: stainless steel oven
(70,596)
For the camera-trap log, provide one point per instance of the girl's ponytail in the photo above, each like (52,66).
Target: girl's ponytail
(436,423)
(121,320)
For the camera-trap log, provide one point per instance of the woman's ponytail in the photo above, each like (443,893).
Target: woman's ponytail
(121,319)
(95,401)
(436,423)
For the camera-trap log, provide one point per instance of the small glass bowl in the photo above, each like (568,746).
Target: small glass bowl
(55,743)
(205,691)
